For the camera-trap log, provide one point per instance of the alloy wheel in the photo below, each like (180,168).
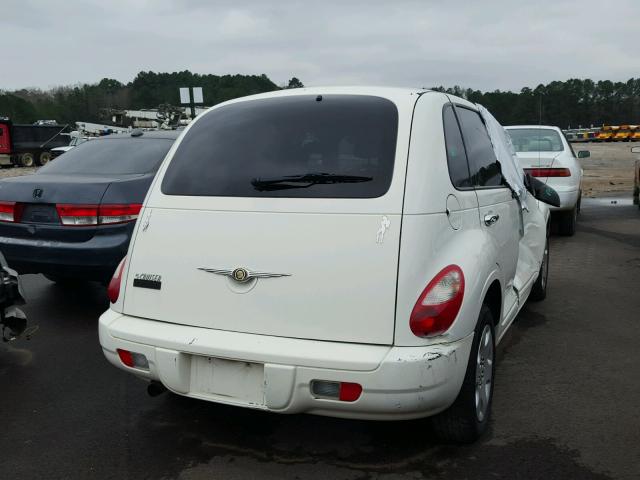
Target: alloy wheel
(484,373)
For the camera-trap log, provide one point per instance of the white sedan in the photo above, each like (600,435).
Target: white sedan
(544,152)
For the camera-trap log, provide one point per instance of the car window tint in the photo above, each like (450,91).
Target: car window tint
(484,167)
(266,148)
(456,156)
(113,156)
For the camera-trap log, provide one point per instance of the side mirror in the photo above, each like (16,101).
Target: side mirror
(584,153)
(541,191)
(635,149)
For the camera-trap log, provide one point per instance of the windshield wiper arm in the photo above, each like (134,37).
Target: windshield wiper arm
(304,181)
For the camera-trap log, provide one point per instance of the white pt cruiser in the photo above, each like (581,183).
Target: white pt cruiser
(351,252)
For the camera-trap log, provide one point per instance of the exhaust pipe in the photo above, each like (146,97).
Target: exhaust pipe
(155,388)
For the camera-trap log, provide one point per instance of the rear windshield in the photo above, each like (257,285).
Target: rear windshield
(329,146)
(113,156)
(535,140)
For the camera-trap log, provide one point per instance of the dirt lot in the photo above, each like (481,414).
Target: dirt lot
(16,171)
(608,170)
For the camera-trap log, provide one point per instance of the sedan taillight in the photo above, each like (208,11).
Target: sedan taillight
(7,211)
(86,215)
(78,215)
(118,213)
(548,172)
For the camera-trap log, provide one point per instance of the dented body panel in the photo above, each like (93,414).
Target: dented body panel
(401,382)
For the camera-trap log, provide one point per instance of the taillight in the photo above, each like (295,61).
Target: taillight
(87,215)
(113,290)
(549,172)
(7,211)
(439,303)
(118,213)
(79,215)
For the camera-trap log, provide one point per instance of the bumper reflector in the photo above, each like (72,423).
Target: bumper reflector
(342,391)
(133,359)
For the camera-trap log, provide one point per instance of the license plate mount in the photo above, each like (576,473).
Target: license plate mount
(234,380)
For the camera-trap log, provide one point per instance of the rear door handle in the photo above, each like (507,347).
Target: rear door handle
(491,218)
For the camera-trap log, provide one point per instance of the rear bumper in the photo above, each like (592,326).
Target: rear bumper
(94,259)
(568,197)
(398,382)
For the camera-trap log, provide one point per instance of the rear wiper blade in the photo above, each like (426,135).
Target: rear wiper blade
(304,181)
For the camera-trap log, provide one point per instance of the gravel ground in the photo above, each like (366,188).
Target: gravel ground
(16,171)
(609,169)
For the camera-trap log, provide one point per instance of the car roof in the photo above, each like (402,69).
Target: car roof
(395,94)
(546,127)
(341,90)
(403,97)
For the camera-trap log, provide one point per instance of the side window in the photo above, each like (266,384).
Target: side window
(456,156)
(484,167)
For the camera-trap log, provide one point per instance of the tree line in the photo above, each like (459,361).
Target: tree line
(88,102)
(572,103)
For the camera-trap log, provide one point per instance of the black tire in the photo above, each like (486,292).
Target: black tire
(461,422)
(567,222)
(44,158)
(27,160)
(539,289)
(579,204)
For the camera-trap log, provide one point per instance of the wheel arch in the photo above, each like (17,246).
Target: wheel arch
(493,300)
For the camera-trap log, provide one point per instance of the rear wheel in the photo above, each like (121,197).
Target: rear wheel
(539,290)
(567,222)
(468,417)
(27,160)
(44,158)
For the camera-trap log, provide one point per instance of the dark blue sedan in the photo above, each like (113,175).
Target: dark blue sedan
(73,219)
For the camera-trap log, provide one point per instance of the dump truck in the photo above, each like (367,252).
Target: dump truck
(29,145)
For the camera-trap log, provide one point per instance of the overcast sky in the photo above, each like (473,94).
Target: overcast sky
(490,44)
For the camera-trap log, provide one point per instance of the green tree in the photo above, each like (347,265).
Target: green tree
(295,83)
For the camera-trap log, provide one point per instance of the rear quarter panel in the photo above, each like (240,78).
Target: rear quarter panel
(428,242)
(428,245)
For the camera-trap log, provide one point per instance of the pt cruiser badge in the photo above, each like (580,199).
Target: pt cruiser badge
(242,275)
(147,280)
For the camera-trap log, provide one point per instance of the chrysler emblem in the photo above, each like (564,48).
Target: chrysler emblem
(242,275)
(37,193)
